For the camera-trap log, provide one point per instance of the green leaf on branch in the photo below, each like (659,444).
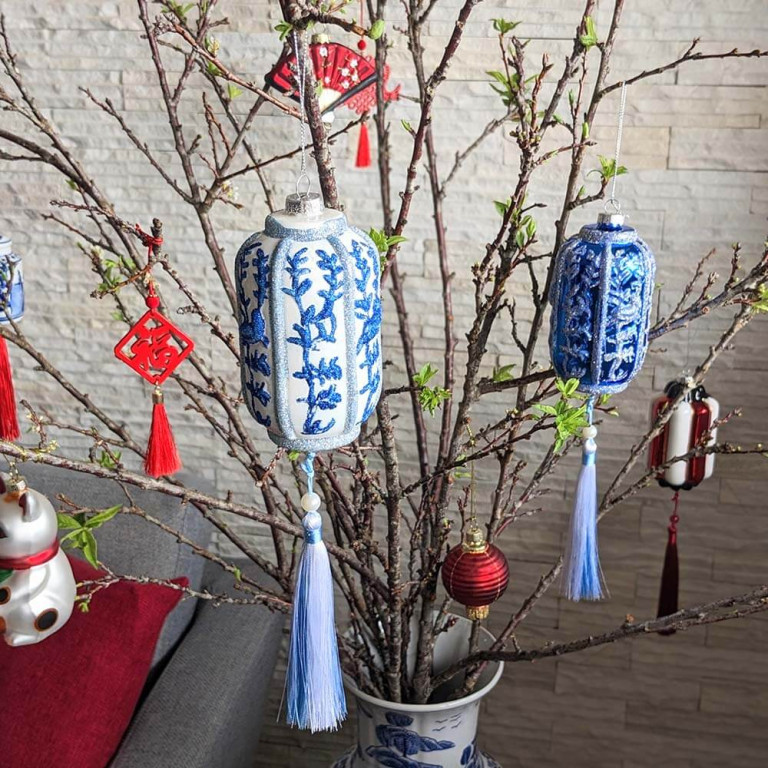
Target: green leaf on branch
(423,377)
(569,413)
(584,131)
(431,398)
(80,529)
(589,38)
(233,91)
(294,455)
(407,126)
(284,28)
(178,9)
(502,206)
(760,303)
(502,373)
(608,168)
(507,86)
(383,243)
(377,29)
(503,26)
(109,461)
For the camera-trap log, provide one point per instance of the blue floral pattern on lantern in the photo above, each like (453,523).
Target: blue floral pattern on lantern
(253,330)
(368,310)
(601,298)
(11,285)
(316,325)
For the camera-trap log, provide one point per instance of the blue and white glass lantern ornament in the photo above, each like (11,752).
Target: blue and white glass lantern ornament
(310,319)
(309,313)
(601,299)
(11,282)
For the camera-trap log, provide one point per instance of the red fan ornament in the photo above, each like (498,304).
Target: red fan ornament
(689,425)
(347,78)
(475,573)
(154,347)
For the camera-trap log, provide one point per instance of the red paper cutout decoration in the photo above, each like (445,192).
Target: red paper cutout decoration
(154,348)
(347,76)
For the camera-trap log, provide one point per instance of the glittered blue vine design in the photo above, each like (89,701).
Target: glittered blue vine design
(581,272)
(397,744)
(368,309)
(625,299)
(253,330)
(316,326)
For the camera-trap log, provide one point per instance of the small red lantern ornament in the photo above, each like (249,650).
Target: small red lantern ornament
(689,425)
(154,347)
(475,573)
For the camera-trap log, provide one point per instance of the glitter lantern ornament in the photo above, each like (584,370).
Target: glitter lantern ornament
(348,78)
(690,424)
(310,318)
(475,573)
(309,315)
(11,308)
(37,588)
(154,347)
(601,296)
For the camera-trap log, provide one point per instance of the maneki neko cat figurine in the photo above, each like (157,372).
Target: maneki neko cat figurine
(37,588)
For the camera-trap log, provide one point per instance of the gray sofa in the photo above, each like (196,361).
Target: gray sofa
(212,670)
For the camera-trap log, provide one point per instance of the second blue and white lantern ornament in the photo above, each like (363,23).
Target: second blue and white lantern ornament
(309,314)
(601,296)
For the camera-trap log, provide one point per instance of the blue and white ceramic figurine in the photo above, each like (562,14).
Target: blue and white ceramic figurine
(601,299)
(310,319)
(11,282)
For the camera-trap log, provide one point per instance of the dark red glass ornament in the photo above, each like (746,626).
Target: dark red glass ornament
(475,573)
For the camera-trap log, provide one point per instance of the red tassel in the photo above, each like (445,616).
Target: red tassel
(363,148)
(162,456)
(670,575)
(9,423)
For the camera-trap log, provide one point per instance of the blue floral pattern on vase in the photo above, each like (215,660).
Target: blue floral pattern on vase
(601,304)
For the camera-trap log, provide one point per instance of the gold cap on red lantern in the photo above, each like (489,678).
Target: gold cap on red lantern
(475,573)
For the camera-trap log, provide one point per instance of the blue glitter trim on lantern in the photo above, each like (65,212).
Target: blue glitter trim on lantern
(369,311)
(349,331)
(601,297)
(324,230)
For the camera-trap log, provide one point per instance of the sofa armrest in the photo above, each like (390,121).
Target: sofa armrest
(206,707)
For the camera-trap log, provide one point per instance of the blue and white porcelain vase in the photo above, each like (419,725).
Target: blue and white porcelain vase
(601,299)
(11,282)
(310,318)
(438,735)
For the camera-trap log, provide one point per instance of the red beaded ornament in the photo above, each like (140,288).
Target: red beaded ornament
(154,347)
(475,573)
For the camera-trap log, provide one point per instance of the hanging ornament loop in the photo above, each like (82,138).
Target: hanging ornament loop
(301,76)
(612,204)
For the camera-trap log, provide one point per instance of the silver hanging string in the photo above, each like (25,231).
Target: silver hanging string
(301,66)
(612,200)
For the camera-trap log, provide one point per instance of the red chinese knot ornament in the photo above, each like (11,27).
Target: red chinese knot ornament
(475,573)
(154,347)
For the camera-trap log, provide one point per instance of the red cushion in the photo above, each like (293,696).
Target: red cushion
(68,700)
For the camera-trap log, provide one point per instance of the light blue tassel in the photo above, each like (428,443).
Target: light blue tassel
(582,575)
(315,696)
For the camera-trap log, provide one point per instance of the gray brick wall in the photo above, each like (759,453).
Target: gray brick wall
(696,143)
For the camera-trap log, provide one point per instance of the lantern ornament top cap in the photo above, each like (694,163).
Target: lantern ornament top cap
(611,219)
(474,540)
(304,203)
